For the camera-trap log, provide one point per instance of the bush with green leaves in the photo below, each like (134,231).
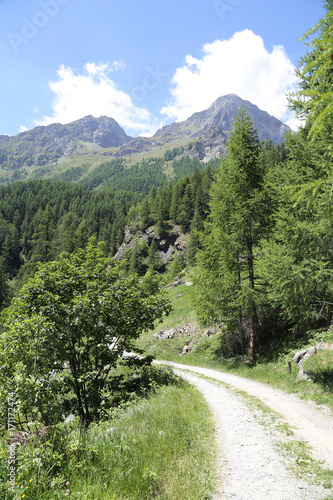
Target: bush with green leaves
(65,333)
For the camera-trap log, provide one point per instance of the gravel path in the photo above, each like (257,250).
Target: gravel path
(249,467)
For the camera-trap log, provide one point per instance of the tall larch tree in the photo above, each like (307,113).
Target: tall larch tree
(227,288)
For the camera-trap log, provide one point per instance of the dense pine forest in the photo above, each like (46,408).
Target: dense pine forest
(258,224)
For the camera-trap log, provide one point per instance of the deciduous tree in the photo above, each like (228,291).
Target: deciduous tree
(64,334)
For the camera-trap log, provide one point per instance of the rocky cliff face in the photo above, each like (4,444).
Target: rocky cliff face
(175,243)
(211,128)
(220,116)
(43,145)
(222,112)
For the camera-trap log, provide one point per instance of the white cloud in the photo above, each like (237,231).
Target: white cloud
(94,93)
(240,65)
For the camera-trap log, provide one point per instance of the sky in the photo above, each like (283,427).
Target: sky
(146,63)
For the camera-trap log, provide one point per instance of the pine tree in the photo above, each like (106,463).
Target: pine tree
(153,260)
(163,212)
(82,234)
(11,250)
(67,233)
(227,281)
(186,208)
(145,214)
(43,237)
(4,286)
(175,202)
(175,268)
(194,242)
(314,99)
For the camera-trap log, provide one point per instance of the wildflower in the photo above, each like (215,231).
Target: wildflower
(23,495)
(67,493)
(30,480)
(52,485)
(67,483)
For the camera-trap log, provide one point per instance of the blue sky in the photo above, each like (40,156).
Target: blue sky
(145,63)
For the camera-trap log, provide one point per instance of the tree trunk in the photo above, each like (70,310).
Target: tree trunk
(240,332)
(240,315)
(253,313)
(253,334)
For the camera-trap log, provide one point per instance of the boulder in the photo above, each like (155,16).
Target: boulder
(324,346)
(301,356)
(208,332)
(186,349)
(164,334)
(298,356)
(177,282)
(304,375)
(299,359)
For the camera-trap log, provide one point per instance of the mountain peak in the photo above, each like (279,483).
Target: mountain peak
(223,110)
(219,117)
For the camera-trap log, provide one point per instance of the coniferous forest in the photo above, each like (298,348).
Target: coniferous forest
(259,229)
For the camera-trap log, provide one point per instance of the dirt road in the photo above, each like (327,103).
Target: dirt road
(250,467)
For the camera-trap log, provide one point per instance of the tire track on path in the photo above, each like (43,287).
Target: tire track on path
(311,424)
(249,468)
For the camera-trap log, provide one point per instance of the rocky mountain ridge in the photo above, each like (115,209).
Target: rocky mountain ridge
(47,150)
(60,140)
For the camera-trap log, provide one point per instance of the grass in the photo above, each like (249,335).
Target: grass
(181,314)
(162,447)
(159,449)
(302,465)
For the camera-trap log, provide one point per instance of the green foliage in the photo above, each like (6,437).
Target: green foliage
(5,292)
(153,260)
(227,277)
(297,258)
(170,430)
(194,242)
(186,166)
(175,268)
(314,99)
(40,219)
(321,368)
(171,154)
(138,252)
(138,178)
(63,335)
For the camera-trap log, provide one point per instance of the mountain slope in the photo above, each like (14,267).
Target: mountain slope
(34,153)
(47,151)
(211,127)
(220,115)
(103,132)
